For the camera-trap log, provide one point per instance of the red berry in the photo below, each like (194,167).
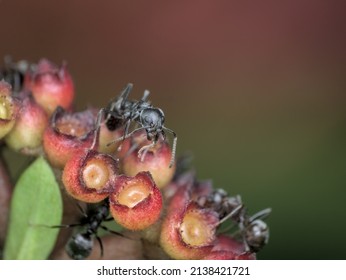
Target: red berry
(136,202)
(51,86)
(27,133)
(156,160)
(89,175)
(66,134)
(8,109)
(189,234)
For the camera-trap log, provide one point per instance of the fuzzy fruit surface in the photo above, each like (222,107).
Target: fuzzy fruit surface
(8,109)
(136,202)
(188,233)
(51,86)
(27,132)
(66,134)
(89,176)
(156,161)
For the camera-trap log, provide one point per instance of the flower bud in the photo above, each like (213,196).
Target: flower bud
(156,160)
(89,175)
(136,202)
(50,85)
(8,109)
(27,133)
(66,134)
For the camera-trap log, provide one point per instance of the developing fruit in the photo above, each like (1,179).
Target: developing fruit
(50,85)
(8,109)
(189,234)
(66,134)
(26,135)
(156,159)
(136,202)
(89,175)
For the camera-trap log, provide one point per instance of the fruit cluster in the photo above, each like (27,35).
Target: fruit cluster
(98,162)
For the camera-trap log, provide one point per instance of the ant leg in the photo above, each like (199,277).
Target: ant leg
(125,136)
(174,146)
(133,147)
(81,210)
(65,226)
(101,245)
(261,214)
(145,148)
(125,92)
(126,130)
(232,213)
(111,231)
(97,129)
(58,226)
(127,125)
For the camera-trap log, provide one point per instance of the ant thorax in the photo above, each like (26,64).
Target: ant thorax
(135,116)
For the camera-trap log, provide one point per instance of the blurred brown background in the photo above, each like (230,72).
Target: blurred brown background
(255,90)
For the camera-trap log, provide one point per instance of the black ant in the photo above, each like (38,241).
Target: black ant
(79,245)
(124,112)
(226,206)
(14,72)
(254,231)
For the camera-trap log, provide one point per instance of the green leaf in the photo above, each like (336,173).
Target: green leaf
(36,205)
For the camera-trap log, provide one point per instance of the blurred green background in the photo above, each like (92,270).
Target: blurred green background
(256,91)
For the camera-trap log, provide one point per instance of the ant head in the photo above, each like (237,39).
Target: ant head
(79,246)
(152,119)
(257,235)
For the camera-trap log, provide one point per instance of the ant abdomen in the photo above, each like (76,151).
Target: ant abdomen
(79,246)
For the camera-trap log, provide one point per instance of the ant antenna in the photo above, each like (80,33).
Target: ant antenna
(261,214)
(145,148)
(232,213)
(174,146)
